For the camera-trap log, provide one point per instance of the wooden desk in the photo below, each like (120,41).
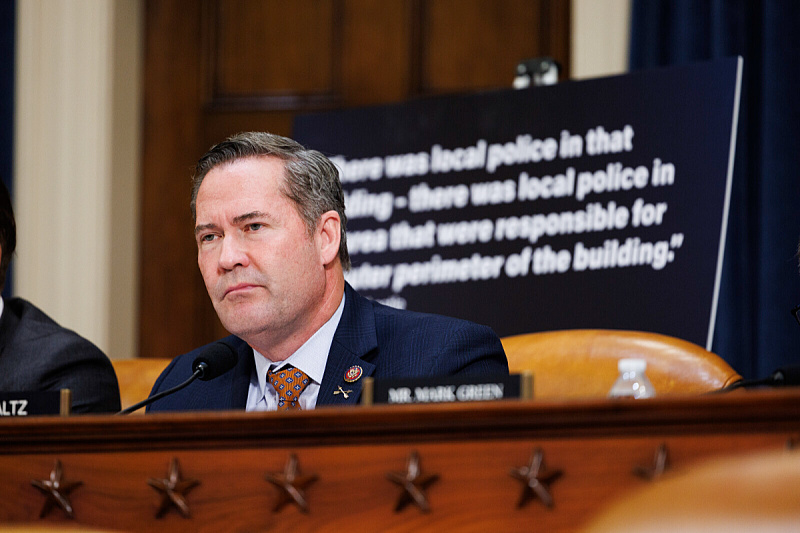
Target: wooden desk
(472,448)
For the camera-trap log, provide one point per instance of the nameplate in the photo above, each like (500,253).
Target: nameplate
(447,389)
(35,403)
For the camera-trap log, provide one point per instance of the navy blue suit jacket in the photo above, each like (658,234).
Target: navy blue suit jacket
(386,343)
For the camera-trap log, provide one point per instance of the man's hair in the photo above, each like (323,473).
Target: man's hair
(311,180)
(8,232)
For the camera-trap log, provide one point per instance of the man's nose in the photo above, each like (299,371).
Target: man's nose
(233,253)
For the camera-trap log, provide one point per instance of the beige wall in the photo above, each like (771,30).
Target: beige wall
(600,36)
(77,153)
(76,162)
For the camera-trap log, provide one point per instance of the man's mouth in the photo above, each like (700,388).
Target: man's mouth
(240,288)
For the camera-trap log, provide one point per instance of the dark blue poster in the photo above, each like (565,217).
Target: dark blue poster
(590,204)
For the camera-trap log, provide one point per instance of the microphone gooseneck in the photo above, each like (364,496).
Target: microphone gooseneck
(788,376)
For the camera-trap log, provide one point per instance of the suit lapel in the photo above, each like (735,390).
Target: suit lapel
(8,363)
(240,385)
(8,323)
(346,368)
(344,377)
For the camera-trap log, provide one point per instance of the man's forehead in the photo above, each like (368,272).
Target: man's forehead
(253,163)
(235,177)
(245,185)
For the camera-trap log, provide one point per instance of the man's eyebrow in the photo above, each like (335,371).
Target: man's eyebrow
(249,216)
(236,221)
(202,227)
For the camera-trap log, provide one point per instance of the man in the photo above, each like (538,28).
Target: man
(36,354)
(270,231)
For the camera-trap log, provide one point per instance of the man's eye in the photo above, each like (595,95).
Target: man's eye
(207,238)
(255,226)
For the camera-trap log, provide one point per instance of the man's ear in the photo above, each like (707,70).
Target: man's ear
(329,234)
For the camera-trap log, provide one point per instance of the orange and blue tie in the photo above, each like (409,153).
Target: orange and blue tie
(289,382)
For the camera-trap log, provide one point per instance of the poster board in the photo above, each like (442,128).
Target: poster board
(589,204)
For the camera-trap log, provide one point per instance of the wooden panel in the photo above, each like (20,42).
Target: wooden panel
(555,33)
(282,46)
(174,311)
(214,68)
(474,491)
(383,30)
(472,448)
(476,44)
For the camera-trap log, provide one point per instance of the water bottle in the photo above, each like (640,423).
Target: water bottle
(632,381)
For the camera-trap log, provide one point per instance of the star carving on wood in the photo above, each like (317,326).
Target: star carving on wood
(291,485)
(660,465)
(413,483)
(536,480)
(173,490)
(57,491)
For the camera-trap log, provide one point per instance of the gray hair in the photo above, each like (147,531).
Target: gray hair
(311,180)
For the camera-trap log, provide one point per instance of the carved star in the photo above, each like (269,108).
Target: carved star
(174,490)
(291,485)
(413,483)
(660,465)
(57,491)
(536,480)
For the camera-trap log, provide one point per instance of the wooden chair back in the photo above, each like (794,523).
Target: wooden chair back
(136,378)
(583,363)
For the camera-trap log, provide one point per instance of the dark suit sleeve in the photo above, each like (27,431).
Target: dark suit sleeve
(80,366)
(471,350)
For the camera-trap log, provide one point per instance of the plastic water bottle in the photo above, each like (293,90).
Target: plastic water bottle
(632,381)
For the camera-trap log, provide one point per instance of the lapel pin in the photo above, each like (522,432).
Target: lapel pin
(353,374)
(345,393)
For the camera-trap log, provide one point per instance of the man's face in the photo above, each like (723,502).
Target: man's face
(262,269)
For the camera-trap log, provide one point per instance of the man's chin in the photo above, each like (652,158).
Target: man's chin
(241,326)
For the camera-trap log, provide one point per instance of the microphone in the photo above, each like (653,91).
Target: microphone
(212,362)
(788,376)
(215,360)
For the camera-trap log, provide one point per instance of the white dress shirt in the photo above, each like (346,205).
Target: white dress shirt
(311,358)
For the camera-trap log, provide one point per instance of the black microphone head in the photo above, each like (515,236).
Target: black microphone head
(215,360)
(788,376)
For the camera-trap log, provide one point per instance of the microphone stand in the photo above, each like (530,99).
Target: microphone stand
(746,383)
(783,377)
(198,372)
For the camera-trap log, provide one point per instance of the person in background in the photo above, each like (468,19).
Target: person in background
(36,354)
(271,247)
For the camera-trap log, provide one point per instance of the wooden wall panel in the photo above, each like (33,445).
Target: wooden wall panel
(473,44)
(217,67)
(173,310)
(274,47)
(376,53)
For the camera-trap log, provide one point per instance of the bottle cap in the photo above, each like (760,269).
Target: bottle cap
(631,365)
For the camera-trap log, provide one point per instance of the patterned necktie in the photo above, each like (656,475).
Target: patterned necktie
(289,382)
